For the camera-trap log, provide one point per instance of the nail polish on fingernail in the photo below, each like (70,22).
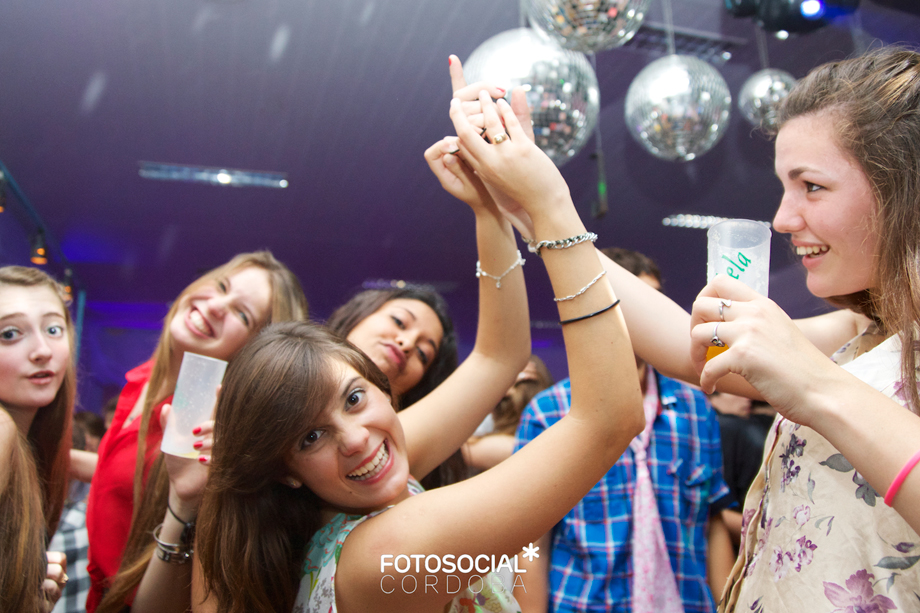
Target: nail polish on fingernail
(203,459)
(196,430)
(501,89)
(197,444)
(450,61)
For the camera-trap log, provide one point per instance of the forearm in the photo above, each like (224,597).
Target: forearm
(720,555)
(166,586)
(503,327)
(874,433)
(83,465)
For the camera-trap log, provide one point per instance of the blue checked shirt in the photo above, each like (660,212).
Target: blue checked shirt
(591,566)
(71,538)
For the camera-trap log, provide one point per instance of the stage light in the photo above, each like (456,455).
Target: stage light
(812,9)
(39,251)
(791,16)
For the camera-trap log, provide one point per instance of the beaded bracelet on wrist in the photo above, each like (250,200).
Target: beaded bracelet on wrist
(520,261)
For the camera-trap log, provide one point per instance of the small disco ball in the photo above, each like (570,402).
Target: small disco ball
(678,107)
(762,94)
(561,87)
(588,25)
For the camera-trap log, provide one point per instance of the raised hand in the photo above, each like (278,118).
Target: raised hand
(187,476)
(472,108)
(455,176)
(512,164)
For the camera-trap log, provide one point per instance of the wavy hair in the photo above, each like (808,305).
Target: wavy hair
(874,100)
(252,529)
(287,303)
(36,486)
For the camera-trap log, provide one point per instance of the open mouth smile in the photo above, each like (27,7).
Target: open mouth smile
(373,467)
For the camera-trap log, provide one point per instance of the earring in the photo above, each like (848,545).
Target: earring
(292,482)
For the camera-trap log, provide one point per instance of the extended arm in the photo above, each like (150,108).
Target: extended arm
(535,487)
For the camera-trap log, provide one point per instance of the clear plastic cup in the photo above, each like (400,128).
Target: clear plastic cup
(739,248)
(193,402)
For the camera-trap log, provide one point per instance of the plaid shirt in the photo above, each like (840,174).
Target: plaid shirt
(71,538)
(591,566)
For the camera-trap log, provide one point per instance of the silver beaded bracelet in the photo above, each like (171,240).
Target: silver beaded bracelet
(562,243)
(498,280)
(582,290)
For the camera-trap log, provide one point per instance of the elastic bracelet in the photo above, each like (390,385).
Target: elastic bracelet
(582,290)
(562,243)
(498,280)
(590,315)
(188,529)
(172,553)
(899,480)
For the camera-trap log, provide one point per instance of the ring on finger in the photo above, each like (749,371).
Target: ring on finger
(715,341)
(64,579)
(724,304)
(499,138)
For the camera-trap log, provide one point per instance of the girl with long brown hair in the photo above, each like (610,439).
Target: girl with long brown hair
(309,455)
(37,393)
(214,316)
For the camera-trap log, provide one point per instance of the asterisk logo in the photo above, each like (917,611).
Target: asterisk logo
(530,552)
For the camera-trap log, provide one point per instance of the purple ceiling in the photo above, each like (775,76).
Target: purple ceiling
(344,97)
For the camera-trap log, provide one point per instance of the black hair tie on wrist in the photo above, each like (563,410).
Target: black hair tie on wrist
(589,315)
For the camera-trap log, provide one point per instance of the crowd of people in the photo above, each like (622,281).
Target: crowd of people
(355,465)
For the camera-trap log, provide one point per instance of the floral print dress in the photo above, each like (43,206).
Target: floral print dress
(815,536)
(317,587)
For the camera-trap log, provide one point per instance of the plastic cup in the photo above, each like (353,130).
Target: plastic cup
(193,402)
(739,248)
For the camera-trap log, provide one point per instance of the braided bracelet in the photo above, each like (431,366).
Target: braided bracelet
(589,315)
(498,280)
(582,290)
(562,243)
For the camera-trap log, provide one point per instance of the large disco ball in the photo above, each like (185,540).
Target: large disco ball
(678,107)
(588,25)
(762,94)
(561,86)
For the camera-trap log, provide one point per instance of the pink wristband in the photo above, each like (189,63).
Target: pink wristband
(896,484)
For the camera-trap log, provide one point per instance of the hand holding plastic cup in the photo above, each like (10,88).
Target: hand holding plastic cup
(739,248)
(193,402)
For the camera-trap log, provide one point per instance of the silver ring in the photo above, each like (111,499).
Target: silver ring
(499,139)
(715,340)
(724,304)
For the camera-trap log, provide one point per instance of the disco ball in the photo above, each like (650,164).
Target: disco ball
(762,94)
(678,107)
(588,25)
(561,87)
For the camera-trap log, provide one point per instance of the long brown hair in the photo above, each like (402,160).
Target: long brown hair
(287,303)
(33,495)
(875,103)
(252,529)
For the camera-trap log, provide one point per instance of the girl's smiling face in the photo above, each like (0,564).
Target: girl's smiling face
(217,318)
(828,207)
(34,347)
(354,457)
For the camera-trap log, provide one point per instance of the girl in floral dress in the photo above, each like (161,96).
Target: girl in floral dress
(817,534)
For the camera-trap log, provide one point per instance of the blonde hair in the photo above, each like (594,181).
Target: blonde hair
(288,303)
